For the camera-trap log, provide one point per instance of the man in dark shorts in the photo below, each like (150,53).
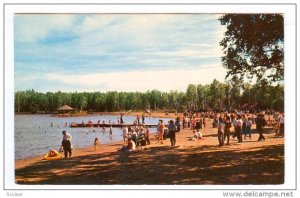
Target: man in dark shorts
(66,143)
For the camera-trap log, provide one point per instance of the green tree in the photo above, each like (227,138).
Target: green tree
(253,46)
(191,96)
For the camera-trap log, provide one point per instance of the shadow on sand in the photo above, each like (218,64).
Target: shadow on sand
(163,165)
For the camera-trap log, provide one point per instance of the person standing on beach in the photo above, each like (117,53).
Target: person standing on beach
(221,127)
(239,124)
(143,119)
(172,132)
(66,143)
(248,128)
(281,125)
(260,124)
(160,131)
(147,135)
(227,129)
(177,123)
(125,133)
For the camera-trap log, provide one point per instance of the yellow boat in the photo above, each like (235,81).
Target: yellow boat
(52,155)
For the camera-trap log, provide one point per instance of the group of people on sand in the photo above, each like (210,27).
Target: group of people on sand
(168,131)
(242,124)
(136,137)
(139,135)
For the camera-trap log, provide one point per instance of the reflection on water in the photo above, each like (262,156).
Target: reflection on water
(35,134)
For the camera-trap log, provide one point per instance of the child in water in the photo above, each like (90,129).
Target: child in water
(96,143)
(110,130)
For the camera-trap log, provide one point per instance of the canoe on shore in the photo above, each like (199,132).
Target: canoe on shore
(78,125)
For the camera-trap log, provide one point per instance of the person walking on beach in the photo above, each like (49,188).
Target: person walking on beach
(172,132)
(147,135)
(177,123)
(221,127)
(248,128)
(244,119)
(239,124)
(260,124)
(66,143)
(281,125)
(227,129)
(160,128)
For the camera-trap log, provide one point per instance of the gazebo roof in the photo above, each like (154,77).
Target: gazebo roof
(65,107)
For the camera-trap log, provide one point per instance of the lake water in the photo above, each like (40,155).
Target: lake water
(34,134)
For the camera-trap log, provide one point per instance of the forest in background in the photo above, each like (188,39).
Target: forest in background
(230,95)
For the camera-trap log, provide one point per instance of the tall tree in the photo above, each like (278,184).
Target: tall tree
(253,46)
(191,96)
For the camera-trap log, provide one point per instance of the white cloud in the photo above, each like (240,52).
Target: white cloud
(137,80)
(32,27)
(107,42)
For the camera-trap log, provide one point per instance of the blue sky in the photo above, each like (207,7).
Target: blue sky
(122,52)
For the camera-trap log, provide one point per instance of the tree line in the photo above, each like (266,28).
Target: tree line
(230,95)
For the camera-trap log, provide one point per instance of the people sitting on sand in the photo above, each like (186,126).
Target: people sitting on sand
(131,146)
(197,135)
(96,143)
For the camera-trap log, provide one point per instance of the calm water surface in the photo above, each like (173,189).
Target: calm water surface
(34,134)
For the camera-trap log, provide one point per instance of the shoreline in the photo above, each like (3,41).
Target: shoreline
(19,163)
(191,162)
(132,113)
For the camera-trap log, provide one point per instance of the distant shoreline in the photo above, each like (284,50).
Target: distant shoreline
(132,113)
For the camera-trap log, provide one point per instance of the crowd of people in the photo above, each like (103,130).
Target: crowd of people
(136,137)
(238,124)
(242,124)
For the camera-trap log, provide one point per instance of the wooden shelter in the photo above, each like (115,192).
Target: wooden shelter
(65,109)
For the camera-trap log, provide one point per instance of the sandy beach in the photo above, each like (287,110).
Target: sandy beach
(189,162)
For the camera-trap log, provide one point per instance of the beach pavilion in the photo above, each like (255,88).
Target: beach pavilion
(65,109)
